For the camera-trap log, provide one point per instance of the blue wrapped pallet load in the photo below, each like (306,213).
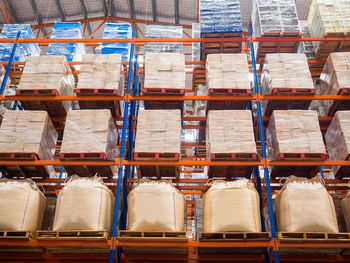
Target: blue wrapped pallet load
(72,51)
(220,16)
(163,31)
(117,30)
(220,19)
(23,50)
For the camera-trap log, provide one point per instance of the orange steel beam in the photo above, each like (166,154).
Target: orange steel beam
(97,28)
(138,29)
(186,34)
(7,9)
(47,35)
(4,15)
(111,18)
(49,243)
(59,162)
(84,29)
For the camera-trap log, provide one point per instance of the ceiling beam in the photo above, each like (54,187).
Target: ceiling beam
(38,16)
(60,10)
(132,9)
(177,16)
(113,8)
(112,18)
(83,8)
(105,8)
(10,10)
(154,10)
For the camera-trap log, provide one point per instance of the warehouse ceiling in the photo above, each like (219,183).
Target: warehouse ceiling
(168,11)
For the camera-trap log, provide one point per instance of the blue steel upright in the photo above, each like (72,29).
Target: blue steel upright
(121,155)
(263,148)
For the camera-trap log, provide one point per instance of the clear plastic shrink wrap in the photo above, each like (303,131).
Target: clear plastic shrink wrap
(84,204)
(102,72)
(230,131)
(94,126)
(158,131)
(163,31)
(231,206)
(155,206)
(22,205)
(304,205)
(48,73)
(294,131)
(165,70)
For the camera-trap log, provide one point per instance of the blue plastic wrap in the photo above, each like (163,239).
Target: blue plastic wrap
(23,50)
(218,16)
(117,30)
(72,51)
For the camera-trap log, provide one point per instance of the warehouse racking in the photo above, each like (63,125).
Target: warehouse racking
(195,186)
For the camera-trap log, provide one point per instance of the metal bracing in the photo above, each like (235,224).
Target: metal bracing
(38,16)
(60,10)
(132,9)
(12,10)
(83,8)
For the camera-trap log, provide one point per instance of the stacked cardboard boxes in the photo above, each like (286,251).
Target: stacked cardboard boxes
(227,71)
(163,31)
(335,76)
(90,131)
(230,131)
(48,73)
(158,131)
(294,131)
(165,70)
(102,72)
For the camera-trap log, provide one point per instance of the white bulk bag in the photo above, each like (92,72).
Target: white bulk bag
(21,204)
(304,205)
(155,206)
(345,204)
(231,206)
(84,203)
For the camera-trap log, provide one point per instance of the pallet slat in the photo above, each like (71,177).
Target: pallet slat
(71,235)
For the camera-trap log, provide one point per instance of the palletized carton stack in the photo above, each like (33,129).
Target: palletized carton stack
(165,70)
(90,131)
(28,132)
(48,73)
(338,137)
(329,19)
(158,131)
(230,131)
(294,131)
(102,72)
(335,76)
(227,71)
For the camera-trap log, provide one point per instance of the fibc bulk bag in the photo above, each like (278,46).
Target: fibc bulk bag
(155,206)
(84,203)
(345,204)
(231,206)
(21,204)
(304,205)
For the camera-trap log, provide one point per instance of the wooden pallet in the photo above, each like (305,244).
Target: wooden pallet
(90,170)
(233,237)
(339,105)
(199,78)
(148,156)
(344,171)
(220,47)
(83,156)
(18,235)
(153,236)
(227,172)
(327,47)
(233,156)
(163,92)
(16,171)
(288,104)
(169,104)
(113,106)
(300,171)
(201,151)
(264,48)
(72,235)
(158,172)
(228,104)
(178,236)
